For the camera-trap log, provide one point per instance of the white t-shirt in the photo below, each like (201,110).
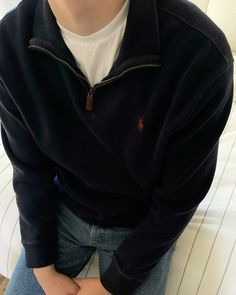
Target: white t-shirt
(96,53)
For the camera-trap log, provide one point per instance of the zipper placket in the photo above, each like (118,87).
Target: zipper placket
(89,98)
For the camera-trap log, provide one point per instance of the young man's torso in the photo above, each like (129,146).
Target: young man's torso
(114,152)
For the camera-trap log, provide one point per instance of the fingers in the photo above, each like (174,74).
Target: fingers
(77,288)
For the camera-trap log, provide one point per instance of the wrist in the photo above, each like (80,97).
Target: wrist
(44,271)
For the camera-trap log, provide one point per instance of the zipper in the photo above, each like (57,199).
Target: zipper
(59,59)
(89,98)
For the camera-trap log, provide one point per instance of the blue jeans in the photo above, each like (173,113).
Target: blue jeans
(77,241)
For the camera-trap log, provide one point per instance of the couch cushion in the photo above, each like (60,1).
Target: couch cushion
(202,4)
(223,13)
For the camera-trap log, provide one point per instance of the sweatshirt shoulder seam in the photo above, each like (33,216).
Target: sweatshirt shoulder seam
(219,74)
(197,29)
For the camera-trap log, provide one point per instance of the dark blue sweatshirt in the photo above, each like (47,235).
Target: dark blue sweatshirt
(139,149)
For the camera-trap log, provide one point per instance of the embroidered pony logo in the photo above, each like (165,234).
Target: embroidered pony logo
(140,124)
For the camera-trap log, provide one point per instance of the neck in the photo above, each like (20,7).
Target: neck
(85,17)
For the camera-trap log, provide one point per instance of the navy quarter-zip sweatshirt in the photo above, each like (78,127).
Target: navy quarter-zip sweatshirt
(138,150)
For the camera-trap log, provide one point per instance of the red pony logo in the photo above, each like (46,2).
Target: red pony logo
(140,124)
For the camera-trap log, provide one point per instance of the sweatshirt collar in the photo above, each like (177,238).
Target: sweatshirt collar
(140,44)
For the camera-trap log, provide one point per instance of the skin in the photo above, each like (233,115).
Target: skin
(83,17)
(55,283)
(90,286)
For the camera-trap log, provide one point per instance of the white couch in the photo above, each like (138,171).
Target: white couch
(204,260)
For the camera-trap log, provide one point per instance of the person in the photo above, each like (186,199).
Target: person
(111,114)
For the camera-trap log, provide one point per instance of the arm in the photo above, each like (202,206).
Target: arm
(36,197)
(188,170)
(33,175)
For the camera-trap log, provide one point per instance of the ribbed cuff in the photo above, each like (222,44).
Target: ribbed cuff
(116,282)
(39,255)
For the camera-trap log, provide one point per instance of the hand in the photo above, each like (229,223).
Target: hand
(55,283)
(90,286)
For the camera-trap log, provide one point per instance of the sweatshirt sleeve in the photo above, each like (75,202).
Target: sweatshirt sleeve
(189,166)
(33,184)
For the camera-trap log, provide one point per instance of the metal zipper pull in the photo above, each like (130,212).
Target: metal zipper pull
(89,100)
